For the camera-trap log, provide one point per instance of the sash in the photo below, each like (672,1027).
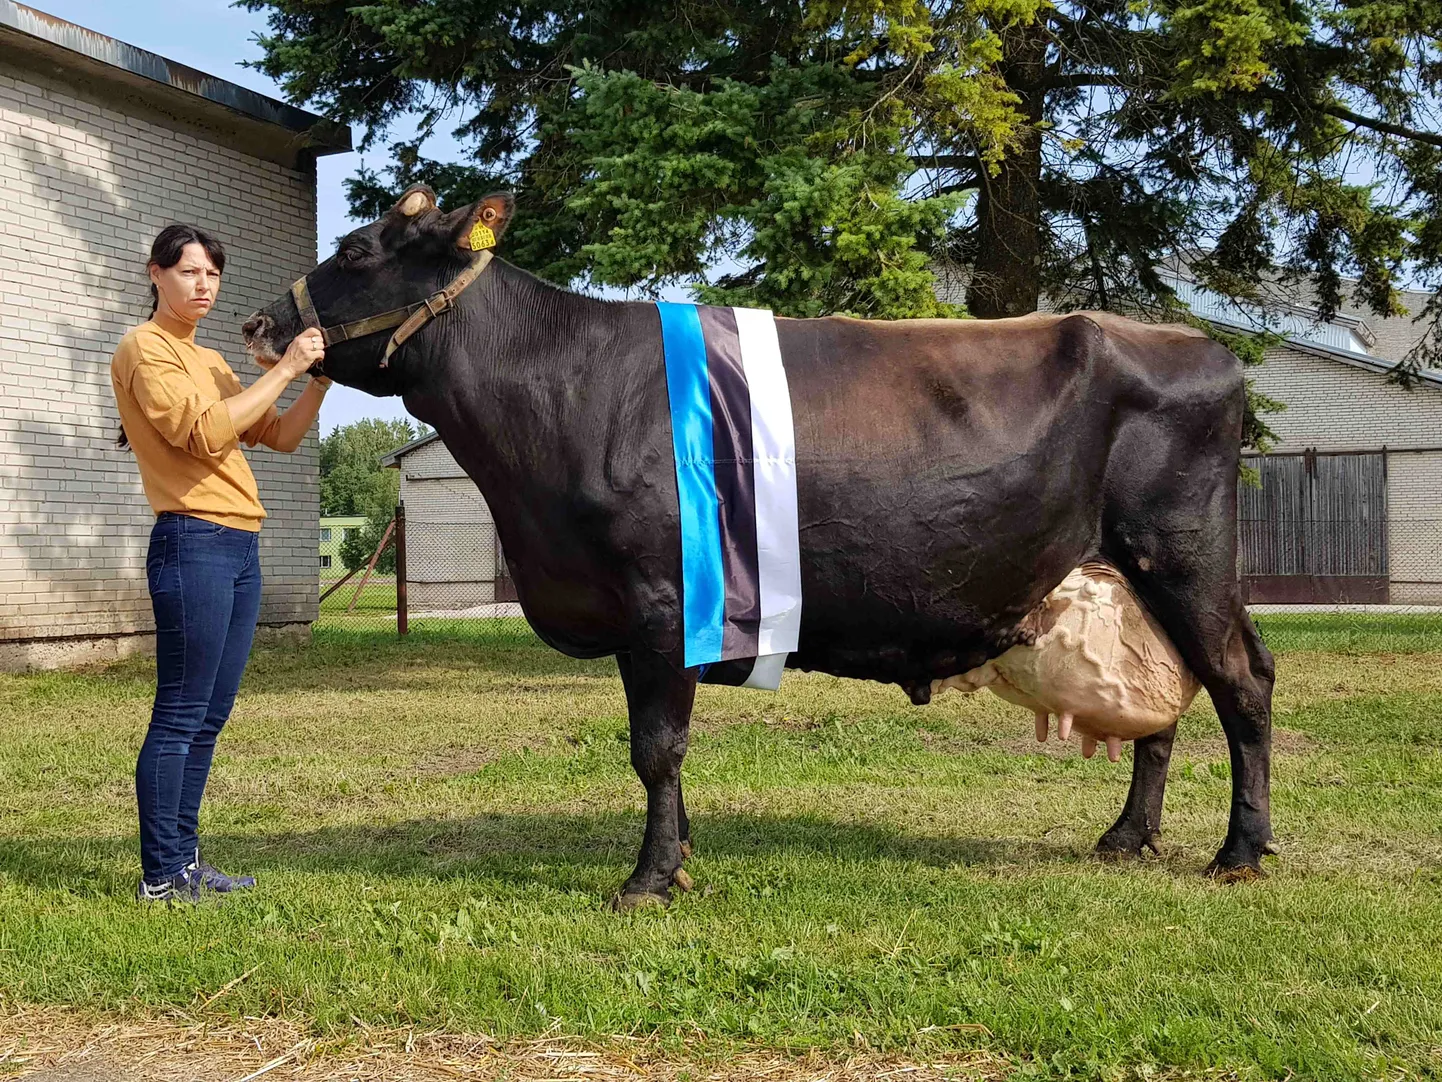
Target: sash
(735,450)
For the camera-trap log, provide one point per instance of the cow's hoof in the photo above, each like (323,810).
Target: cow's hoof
(626,901)
(683,879)
(686,849)
(1122,843)
(1271,848)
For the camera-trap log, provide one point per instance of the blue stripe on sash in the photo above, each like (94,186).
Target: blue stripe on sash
(688,387)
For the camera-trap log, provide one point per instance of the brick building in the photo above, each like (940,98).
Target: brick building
(101,145)
(1351,504)
(1350,508)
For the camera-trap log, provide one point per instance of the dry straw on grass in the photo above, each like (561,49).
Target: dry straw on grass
(68,1046)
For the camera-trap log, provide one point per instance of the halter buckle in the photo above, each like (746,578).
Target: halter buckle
(437,303)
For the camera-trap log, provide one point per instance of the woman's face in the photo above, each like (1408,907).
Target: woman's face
(188,289)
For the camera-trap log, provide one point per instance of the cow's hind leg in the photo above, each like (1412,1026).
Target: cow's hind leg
(1170,526)
(683,822)
(659,700)
(1140,824)
(1187,577)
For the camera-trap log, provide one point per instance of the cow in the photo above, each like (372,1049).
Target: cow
(949,475)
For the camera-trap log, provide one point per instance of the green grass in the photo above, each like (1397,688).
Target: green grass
(1353,633)
(437,822)
(377,598)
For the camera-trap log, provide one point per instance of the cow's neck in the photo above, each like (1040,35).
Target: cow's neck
(520,376)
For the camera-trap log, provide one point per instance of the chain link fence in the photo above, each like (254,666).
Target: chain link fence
(450,578)
(1381,571)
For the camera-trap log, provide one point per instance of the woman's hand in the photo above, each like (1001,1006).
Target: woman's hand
(305,350)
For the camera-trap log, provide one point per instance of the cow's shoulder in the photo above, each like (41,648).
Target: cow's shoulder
(1167,362)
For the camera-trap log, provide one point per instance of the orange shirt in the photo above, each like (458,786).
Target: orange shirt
(171,396)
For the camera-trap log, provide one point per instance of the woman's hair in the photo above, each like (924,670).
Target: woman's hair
(169,246)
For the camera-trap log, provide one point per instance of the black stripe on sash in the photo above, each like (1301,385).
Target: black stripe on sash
(729,673)
(735,481)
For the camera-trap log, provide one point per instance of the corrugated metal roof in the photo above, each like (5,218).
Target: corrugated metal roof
(323,136)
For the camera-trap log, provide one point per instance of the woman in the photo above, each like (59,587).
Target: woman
(184,414)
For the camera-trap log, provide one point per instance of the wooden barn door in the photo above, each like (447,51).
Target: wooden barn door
(1316,531)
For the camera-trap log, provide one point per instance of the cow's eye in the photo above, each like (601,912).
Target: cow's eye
(351,256)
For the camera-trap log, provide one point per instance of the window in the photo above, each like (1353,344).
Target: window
(324,534)
(324,562)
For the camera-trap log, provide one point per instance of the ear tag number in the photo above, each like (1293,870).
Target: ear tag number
(482,237)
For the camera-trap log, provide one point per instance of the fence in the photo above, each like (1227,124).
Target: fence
(449,575)
(1321,557)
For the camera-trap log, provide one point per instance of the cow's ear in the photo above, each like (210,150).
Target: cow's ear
(480,226)
(417,199)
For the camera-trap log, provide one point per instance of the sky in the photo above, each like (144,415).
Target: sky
(215,38)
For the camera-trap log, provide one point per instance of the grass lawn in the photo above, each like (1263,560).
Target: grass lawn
(378,598)
(436,823)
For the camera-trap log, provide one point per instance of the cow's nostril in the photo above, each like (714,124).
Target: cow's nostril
(253,326)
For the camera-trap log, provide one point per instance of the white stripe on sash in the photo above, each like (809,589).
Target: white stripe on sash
(766,673)
(774,446)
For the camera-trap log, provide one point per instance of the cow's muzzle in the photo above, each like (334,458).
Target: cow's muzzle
(254,327)
(258,332)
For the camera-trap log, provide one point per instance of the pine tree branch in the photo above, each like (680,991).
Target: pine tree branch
(1081,79)
(1384,126)
(1341,112)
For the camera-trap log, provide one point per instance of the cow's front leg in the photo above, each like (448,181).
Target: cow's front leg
(659,700)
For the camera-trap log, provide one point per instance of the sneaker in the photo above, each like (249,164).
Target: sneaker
(183,888)
(211,878)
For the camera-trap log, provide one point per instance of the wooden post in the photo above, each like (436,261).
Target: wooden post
(338,584)
(376,555)
(402,614)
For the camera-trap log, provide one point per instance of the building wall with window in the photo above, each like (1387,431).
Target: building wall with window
(453,559)
(334,529)
(1338,407)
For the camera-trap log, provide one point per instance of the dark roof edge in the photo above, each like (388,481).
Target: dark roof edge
(1357,360)
(392,460)
(324,136)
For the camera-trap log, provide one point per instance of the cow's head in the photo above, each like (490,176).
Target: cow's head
(412,252)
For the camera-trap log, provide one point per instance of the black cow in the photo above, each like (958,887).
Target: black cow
(950,474)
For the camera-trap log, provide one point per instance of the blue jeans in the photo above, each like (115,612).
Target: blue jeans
(205,586)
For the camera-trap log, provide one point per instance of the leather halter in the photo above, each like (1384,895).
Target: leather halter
(407,320)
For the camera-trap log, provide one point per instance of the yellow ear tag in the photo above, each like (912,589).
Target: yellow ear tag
(482,237)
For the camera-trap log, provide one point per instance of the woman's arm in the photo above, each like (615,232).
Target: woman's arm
(251,404)
(288,429)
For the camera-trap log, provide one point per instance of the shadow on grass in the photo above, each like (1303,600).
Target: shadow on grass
(344,659)
(521,848)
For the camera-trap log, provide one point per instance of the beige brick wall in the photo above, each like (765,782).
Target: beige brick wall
(86,190)
(1332,406)
(1414,527)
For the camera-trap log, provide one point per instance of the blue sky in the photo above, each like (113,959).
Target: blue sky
(216,38)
